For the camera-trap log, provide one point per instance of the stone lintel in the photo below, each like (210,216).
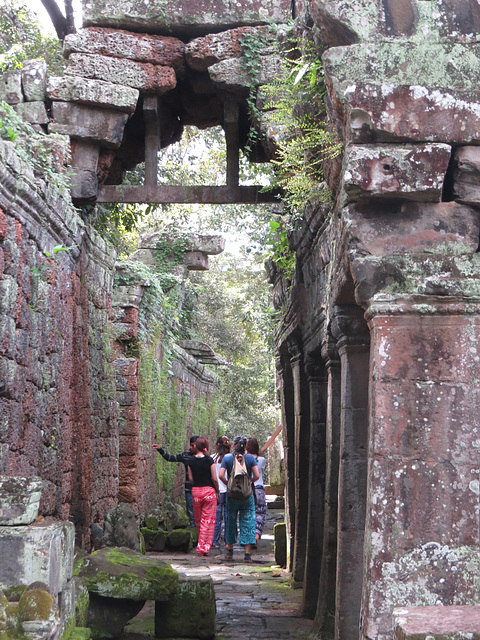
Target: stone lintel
(412,228)
(116,43)
(231,76)
(449,67)
(139,75)
(442,623)
(94,93)
(380,112)
(194,18)
(88,123)
(184,194)
(406,171)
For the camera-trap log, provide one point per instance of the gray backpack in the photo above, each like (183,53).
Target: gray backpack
(239,485)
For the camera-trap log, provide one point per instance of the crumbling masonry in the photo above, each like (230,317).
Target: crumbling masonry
(377,338)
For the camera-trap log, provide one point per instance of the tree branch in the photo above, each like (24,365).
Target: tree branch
(62,25)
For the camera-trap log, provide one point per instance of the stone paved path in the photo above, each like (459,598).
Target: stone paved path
(254,601)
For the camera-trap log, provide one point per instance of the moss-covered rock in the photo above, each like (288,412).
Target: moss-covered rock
(152,522)
(175,619)
(180,540)
(80,633)
(126,574)
(35,604)
(81,602)
(155,539)
(107,617)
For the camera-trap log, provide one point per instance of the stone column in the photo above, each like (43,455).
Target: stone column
(285,382)
(326,593)
(301,457)
(351,331)
(317,383)
(422,527)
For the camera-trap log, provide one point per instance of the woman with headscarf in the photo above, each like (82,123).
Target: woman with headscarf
(243,510)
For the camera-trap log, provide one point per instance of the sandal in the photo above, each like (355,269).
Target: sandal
(247,558)
(229,554)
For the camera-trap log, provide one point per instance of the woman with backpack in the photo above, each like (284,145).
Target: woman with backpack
(241,469)
(202,473)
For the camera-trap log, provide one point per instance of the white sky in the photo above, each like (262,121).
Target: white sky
(45,21)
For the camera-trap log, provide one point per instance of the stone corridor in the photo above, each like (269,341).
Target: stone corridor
(254,602)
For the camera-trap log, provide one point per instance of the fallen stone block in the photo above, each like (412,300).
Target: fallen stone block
(139,75)
(124,574)
(190,613)
(391,112)
(120,526)
(194,18)
(34,80)
(141,47)
(155,540)
(440,623)
(415,172)
(32,112)
(95,93)
(87,123)
(19,500)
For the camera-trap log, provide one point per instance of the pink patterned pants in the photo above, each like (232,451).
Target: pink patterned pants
(204,512)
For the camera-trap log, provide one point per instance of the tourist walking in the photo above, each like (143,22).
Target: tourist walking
(203,476)
(259,487)
(184,459)
(223,447)
(241,510)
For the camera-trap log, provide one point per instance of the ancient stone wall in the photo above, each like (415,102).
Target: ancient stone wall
(377,342)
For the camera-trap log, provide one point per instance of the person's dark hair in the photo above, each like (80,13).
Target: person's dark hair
(223,447)
(202,444)
(252,446)
(193,439)
(239,444)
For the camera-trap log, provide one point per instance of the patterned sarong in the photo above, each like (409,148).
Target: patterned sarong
(260,509)
(204,510)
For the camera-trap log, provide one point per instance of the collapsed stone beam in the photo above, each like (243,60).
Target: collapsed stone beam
(186,195)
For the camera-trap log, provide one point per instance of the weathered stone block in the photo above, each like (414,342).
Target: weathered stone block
(211,245)
(34,80)
(95,93)
(84,186)
(395,171)
(139,75)
(114,43)
(203,52)
(280,545)
(393,112)
(449,67)
(124,574)
(32,112)
(466,180)
(108,616)
(231,75)
(11,87)
(41,552)
(19,500)
(409,228)
(441,623)
(174,619)
(79,121)
(196,261)
(161,16)
(179,540)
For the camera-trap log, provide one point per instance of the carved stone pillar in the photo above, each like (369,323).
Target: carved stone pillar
(285,388)
(317,384)
(301,457)
(351,331)
(326,593)
(422,527)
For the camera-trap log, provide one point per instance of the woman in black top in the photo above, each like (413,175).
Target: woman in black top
(202,473)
